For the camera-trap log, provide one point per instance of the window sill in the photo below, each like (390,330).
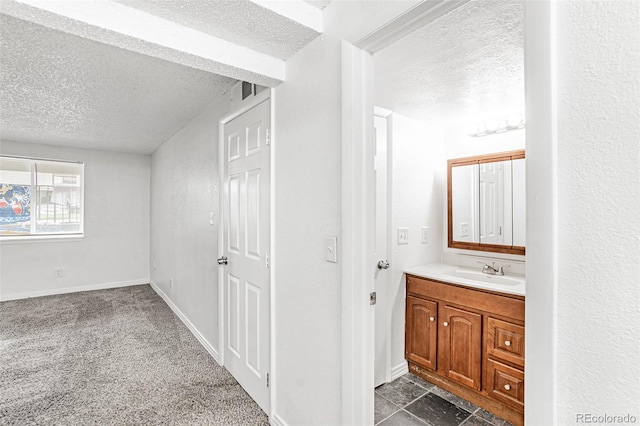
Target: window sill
(25,239)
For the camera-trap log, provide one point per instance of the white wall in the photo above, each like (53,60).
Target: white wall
(184,245)
(115,247)
(418,184)
(598,66)
(459,144)
(307,305)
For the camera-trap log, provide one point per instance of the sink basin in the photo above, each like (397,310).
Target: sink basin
(470,274)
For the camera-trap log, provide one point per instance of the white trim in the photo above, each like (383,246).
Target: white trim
(77,289)
(358,227)
(192,328)
(41,238)
(275,420)
(272,264)
(414,18)
(541,143)
(399,370)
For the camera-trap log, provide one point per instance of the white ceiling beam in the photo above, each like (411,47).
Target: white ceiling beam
(295,10)
(127,28)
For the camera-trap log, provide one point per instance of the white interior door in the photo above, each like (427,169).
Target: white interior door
(382,323)
(492,203)
(246,245)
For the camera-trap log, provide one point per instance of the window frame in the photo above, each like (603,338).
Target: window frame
(34,203)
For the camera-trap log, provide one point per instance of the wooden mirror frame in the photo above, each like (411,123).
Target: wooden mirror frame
(478,159)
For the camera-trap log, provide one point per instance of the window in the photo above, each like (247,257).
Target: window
(40,197)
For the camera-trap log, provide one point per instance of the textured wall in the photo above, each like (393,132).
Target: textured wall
(418,184)
(599,225)
(307,207)
(115,247)
(184,245)
(459,144)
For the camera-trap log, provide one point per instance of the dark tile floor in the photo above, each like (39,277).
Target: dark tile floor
(412,401)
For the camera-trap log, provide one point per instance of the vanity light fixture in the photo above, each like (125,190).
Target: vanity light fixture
(491,127)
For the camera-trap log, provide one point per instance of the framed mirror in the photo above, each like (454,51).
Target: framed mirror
(486,202)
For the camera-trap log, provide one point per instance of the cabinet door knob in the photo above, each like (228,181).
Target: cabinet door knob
(446,324)
(507,386)
(432,318)
(507,342)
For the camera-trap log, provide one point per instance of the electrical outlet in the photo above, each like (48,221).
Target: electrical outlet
(59,273)
(464,229)
(403,235)
(171,283)
(425,235)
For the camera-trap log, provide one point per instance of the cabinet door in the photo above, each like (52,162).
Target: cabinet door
(462,346)
(421,332)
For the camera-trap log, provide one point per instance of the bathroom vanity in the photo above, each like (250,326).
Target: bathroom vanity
(464,332)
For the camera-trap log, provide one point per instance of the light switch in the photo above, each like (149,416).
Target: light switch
(210,218)
(403,235)
(464,229)
(425,235)
(331,247)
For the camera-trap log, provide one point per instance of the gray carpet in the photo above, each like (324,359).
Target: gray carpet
(111,357)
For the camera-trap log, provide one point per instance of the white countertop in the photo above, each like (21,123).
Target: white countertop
(509,283)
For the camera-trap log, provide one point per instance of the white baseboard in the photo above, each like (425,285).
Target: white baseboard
(203,341)
(54,291)
(399,370)
(275,420)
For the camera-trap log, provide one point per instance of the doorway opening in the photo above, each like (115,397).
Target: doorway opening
(358,74)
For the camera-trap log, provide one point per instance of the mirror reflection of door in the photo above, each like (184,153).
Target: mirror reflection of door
(465,204)
(495,203)
(487,202)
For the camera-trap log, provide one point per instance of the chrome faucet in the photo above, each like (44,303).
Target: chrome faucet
(491,269)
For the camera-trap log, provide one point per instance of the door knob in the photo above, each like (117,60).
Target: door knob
(223,260)
(383,264)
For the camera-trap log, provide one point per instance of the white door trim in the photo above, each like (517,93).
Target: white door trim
(542,213)
(250,103)
(541,146)
(358,227)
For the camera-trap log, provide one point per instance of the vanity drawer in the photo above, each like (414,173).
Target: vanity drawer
(505,341)
(505,384)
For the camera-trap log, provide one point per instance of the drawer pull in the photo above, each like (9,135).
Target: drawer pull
(507,342)
(446,324)
(507,387)
(432,319)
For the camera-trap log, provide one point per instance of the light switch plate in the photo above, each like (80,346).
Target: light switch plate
(403,235)
(464,229)
(425,235)
(331,247)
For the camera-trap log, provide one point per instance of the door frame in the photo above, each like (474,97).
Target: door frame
(542,218)
(266,95)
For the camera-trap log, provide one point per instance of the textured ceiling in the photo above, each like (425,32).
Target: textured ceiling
(241,22)
(56,88)
(466,66)
(127,75)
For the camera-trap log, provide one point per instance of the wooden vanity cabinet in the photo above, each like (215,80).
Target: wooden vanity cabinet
(421,332)
(469,342)
(461,346)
